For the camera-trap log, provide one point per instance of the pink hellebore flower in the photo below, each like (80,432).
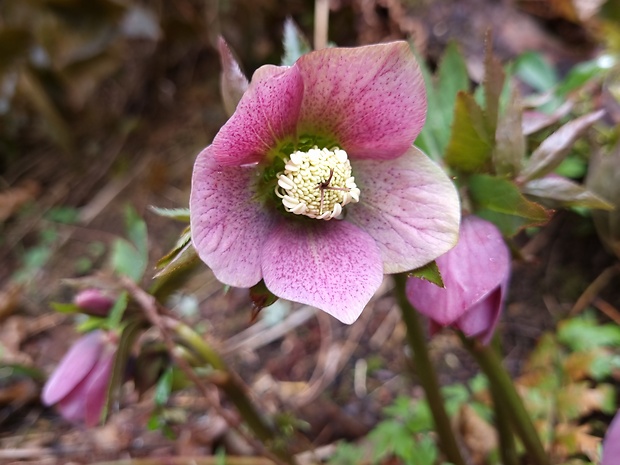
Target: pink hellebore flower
(611,443)
(93,302)
(329,138)
(80,382)
(475,275)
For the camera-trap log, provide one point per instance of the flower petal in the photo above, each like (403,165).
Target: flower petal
(333,266)
(480,320)
(96,392)
(409,206)
(74,367)
(611,443)
(478,265)
(267,113)
(228,224)
(370,99)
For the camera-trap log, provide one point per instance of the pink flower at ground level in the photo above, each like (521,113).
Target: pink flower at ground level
(329,138)
(80,382)
(611,443)
(93,301)
(475,275)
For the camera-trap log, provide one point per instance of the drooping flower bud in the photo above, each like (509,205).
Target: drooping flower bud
(233,82)
(80,382)
(94,302)
(475,275)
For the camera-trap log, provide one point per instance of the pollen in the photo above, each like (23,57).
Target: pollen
(317,183)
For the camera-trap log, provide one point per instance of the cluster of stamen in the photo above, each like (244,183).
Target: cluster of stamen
(317,183)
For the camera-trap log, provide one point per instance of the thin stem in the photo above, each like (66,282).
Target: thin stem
(427,375)
(504,388)
(507,448)
(321,22)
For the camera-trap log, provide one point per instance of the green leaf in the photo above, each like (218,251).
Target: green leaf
(163,389)
(584,333)
(552,151)
(469,148)
(498,200)
(65,308)
(179,214)
(535,71)
(429,272)
(136,231)
(565,193)
(126,260)
(584,72)
(118,309)
(295,44)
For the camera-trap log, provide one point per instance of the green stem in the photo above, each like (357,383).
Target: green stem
(235,391)
(504,388)
(507,448)
(427,375)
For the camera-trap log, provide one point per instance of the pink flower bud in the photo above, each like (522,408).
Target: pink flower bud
(80,382)
(475,274)
(94,302)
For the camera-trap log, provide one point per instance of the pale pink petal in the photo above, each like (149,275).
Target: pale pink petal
(228,224)
(481,320)
(96,391)
(233,82)
(611,443)
(72,406)
(478,265)
(333,266)
(409,206)
(266,115)
(74,367)
(371,99)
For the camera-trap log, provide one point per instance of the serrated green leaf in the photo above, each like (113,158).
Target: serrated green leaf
(499,200)
(554,148)
(469,148)
(429,272)
(564,193)
(179,214)
(295,44)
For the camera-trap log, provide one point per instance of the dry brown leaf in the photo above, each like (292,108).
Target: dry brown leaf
(479,436)
(13,198)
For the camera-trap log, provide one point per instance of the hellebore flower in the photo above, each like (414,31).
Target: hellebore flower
(475,275)
(313,184)
(611,443)
(93,302)
(80,382)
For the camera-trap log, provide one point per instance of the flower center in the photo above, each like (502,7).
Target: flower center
(317,183)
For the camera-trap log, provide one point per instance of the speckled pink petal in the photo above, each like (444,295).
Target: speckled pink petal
(267,113)
(370,99)
(333,266)
(74,367)
(228,224)
(409,206)
(611,443)
(478,265)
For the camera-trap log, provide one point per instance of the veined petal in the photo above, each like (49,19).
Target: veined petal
(409,206)
(228,224)
(478,265)
(333,266)
(267,113)
(370,99)
(74,367)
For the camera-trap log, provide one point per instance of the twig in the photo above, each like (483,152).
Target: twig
(228,460)
(589,295)
(151,309)
(321,23)
(608,309)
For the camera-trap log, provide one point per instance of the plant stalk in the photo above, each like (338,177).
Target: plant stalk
(321,23)
(427,375)
(504,388)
